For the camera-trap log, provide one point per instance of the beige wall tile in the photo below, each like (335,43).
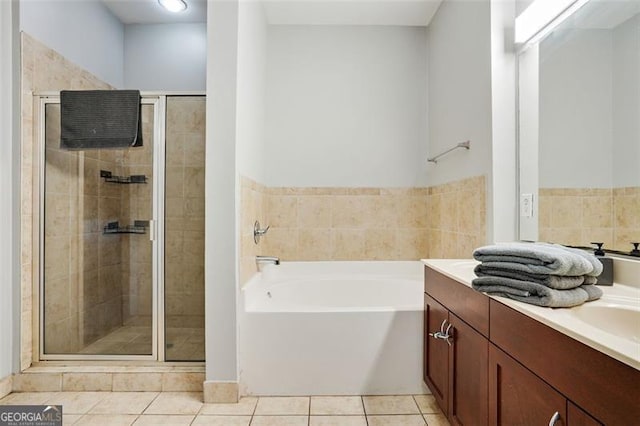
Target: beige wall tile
(6,385)
(41,382)
(348,212)
(313,212)
(597,212)
(216,392)
(449,211)
(369,223)
(314,244)
(87,382)
(566,212)
(380,244)
(412,244)
(412,212)
(183,382)
(283,211)
(347,244)
(137,382)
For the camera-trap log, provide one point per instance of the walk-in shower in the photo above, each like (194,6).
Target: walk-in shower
(122,238)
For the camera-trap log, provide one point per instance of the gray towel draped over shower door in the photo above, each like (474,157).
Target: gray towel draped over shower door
(98,119)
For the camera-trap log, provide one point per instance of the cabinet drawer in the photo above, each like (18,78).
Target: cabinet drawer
(608,389)
(469,305)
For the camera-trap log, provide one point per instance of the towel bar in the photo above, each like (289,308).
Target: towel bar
(465,145)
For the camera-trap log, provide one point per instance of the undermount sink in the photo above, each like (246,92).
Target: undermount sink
(620,320)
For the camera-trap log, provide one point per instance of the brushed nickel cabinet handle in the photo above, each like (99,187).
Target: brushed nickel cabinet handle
(554,419)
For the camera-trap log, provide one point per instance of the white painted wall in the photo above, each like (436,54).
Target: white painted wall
(626,103)
(9,189)
(528,116)
(165,56)
(85,32)
(220,193)
(575,110)
(502,192)
(460,89)
(251,95)
(346,106)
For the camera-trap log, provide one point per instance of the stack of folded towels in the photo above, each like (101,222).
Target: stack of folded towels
(541,274)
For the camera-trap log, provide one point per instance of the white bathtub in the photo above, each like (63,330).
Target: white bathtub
(332,328)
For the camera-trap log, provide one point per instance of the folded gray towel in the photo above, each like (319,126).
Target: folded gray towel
(535,258)
(595,262)
(536,294)
(588,280)
(98,119)
(559,282)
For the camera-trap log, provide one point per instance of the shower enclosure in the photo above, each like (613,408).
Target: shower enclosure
(122,238)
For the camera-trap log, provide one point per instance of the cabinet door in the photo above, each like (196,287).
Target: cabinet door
(436,359)
(519,397)
(577,417)
(468,375)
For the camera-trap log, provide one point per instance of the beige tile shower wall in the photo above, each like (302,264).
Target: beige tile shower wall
(136,249)
(184,252)
(82,266)
(347,223)
(578,216)
(252,208)
(457,218)
(42,69)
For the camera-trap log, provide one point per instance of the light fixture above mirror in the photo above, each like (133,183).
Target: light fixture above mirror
(541,17)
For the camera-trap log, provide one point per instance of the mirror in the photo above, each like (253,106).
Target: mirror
(579,129)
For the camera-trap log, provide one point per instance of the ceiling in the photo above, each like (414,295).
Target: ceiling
(290,12)
(150,12)
(350,12)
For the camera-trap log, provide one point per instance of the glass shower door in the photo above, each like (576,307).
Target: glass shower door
(97,275)
(184,228)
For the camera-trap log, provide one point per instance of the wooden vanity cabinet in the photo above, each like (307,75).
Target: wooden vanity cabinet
(519,397)
(455,368)
(594,382)
(501,367)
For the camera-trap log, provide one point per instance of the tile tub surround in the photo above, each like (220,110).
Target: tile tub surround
(42,69)
(185,408)
(446,220)
(457,218)
(577,216)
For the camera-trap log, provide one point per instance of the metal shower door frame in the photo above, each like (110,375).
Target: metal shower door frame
(156,231)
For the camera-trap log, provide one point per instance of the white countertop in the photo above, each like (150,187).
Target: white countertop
(567,320)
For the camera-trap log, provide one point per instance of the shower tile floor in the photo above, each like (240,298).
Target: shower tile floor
(183,344)
(186,408)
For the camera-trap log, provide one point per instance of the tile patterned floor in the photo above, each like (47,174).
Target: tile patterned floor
(183,344)
(186,408)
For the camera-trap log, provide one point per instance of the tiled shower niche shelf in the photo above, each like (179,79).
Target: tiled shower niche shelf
(109,177)
(138,227)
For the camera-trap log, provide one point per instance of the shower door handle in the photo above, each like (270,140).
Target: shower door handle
(152,230)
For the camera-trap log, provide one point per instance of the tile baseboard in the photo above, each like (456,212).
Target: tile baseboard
(220,392)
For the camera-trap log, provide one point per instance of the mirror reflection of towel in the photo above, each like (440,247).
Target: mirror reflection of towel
(98,119)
